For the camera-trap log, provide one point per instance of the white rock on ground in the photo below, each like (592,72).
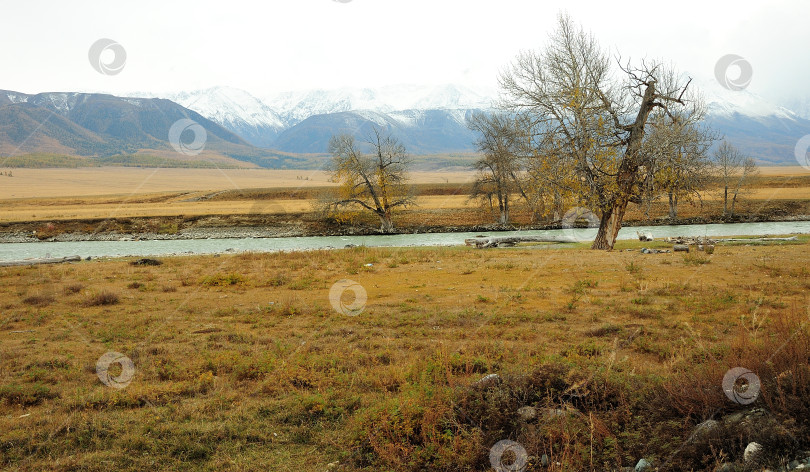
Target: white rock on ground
(752,452)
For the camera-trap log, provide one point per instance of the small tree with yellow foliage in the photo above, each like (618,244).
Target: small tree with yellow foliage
(374,180)
(677,159)
(499,171)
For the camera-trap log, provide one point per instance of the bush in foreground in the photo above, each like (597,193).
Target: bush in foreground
(585,416)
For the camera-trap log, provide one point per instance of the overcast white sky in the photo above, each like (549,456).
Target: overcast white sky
(270,46)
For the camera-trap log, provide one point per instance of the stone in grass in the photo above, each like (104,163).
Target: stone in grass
(752,452)
(145,261)
(527,413)
(643,465)
(488,380)
(704,429)
(726,467)
(552,413)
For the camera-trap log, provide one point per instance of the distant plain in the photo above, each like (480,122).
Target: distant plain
(106,192)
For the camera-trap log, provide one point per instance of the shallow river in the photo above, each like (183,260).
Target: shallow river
(15,251)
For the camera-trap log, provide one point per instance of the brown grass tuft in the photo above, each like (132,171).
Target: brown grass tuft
(102,298)
(40,299)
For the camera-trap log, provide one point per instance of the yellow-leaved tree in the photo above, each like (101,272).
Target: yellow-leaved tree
(372,175)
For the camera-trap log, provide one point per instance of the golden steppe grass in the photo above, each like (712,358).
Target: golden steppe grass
(242,363)
(110,192)
(173,205)
(128,181)
(34,194)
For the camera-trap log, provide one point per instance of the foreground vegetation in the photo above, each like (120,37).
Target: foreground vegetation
(242,363)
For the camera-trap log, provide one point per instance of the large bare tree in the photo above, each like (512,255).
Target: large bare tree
(734,170)
(375,180)
(596,117)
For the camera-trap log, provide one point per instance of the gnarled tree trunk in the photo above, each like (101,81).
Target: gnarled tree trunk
(609,227)
(504,209)
(627,177)
(386,225)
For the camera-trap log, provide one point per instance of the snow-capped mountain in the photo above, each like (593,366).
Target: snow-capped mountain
(92,124)
(236,110)
(800,105)
(432,119)
(298,106)
(421,131)
(427,119)
(757,126)
(723,102)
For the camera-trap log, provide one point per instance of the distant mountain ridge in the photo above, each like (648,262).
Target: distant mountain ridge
(93,124)
(293,129)
(237,111)
(421,131)
(427,119)
(758,127)
(298,106)
(431,119)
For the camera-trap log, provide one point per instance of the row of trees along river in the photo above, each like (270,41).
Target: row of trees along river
(574,126)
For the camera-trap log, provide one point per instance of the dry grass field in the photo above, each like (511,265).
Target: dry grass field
(126,181)
(241,362)
(172,204)
(65,194)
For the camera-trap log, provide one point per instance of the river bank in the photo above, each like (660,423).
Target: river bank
(286,226)
(168,247)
